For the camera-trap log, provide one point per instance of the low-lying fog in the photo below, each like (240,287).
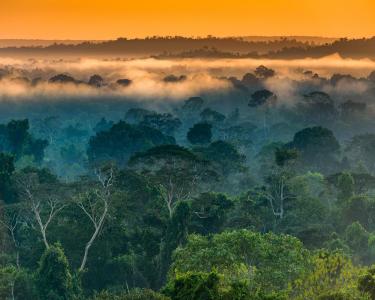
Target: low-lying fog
(147,75)
(161,83)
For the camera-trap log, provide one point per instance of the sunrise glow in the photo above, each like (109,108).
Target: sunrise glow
(94,19)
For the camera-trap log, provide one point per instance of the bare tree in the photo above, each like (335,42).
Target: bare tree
(179,173)
(96,206)
(11,224)
(277,195)
(278,190)
(11,221)
(50,207)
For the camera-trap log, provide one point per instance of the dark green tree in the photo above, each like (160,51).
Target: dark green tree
(194,286)
(53,277)
(318,148)
(122,141)
(200,133)
(7,192)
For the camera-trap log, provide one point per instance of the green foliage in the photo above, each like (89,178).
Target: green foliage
(331,275)
(200,133)
(122,141)
(209,212)
(357,237)
(282,156)
(194,286)
(318,148)
(211,116)
(366,282)
(262,97)
(16,283)
(166,123)
(54,280)
(268,261)
(176,235)
(359,209)
(135,294)
(224,155)
(17,140)
(6,170)
(164,152)
(345,186)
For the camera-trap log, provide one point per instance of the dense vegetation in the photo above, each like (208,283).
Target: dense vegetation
(240,195)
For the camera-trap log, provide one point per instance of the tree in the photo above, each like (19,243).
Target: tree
(357,238)
(329,273)
(166,123)
(359,183)
(122,141)
(263,72)
(318,148)
(317,107)
(11,219)
(7,192)
(124,82)
(16,283)
(267,262)
(95,205)
(366,282)
(62,79)
(223,154)
(137,115)
(350,109)
(103,125)
(96,81)
(176,235)
(173,78)
(209,212)
(240,135)
(361,148)
(277,190)
(200,133)
(134,294)
(345,186)
(17,140)
(264,99)
(211,116)
(193,104)
(283,156)
(17,135)
(176,170)
(250,80)
(54,280)
(359,209)
(44,206)
(194,286)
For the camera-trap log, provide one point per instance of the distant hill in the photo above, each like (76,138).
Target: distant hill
(37,43)
(304,39)
(286,48)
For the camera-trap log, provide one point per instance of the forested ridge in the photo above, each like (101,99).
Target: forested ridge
(243,194)
(201,47)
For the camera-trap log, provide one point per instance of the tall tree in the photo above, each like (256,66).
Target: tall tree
(178,172)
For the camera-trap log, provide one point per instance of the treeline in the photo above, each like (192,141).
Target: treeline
(282,48)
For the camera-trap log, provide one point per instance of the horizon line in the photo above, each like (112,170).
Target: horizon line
(188,36)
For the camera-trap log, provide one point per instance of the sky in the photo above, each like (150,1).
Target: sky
(109,19)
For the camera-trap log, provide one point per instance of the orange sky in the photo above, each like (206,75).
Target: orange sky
(104,19)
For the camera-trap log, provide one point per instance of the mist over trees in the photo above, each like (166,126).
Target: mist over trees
(259,188)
